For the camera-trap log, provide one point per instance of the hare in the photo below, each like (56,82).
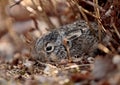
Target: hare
(73,40)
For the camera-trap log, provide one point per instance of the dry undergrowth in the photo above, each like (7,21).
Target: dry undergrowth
(23,21)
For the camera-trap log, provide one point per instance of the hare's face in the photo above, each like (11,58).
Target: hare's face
(50,47)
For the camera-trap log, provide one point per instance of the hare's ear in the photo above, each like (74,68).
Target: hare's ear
(73,34)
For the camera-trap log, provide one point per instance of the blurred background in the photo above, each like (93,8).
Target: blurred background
(23,21)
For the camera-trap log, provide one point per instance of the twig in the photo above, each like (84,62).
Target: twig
(34,4)
(45,16)
(93,4)
(85,17)
(104,48)
(55,11)
(77,66)
(13,34)
(117,32)
(70,3)
(84,10)
(97,12)
(16,3)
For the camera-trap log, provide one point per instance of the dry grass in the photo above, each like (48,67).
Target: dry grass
(20,29)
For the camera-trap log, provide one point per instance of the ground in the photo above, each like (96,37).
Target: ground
(23,21)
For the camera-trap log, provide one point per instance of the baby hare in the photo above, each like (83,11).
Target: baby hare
(69,41)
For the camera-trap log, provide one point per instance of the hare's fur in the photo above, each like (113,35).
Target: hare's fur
(77,38)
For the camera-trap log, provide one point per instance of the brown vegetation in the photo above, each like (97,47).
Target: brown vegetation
(23,21)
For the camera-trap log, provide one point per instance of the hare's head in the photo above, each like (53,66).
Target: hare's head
(50,47)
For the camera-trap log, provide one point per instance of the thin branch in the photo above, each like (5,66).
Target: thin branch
(93,4)
(71,5)
(97,13)
(117,32)
(85,17)
(45,15)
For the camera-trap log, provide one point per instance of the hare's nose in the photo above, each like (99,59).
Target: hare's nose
(53,57)
(43,56)
(43,53)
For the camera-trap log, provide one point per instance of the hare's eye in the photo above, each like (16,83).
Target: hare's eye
(49,47)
